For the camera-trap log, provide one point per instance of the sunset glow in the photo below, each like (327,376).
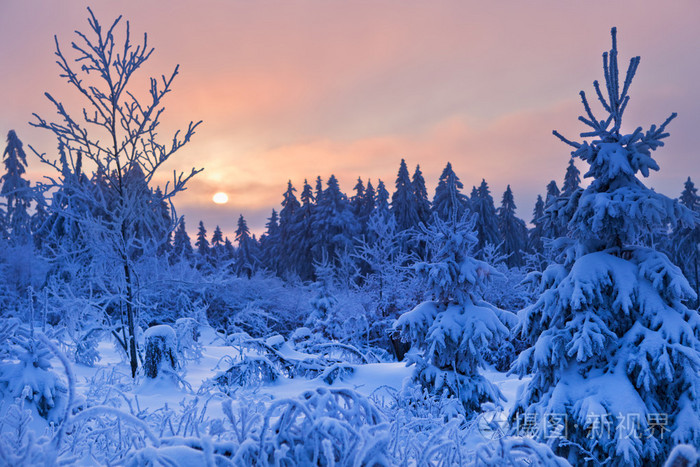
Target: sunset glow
(350,88)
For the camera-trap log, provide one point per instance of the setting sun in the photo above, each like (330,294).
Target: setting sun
(220,198)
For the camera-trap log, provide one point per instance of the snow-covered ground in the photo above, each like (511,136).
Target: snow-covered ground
(370,380)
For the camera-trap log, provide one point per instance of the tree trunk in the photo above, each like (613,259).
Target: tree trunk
(130,321)
(697,279)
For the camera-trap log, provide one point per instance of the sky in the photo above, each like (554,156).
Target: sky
(296,89)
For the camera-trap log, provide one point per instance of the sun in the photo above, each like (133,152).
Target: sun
(220,198)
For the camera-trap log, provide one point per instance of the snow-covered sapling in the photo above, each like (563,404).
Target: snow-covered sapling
(615,354)
(25,372)
(188,345)
(447,334)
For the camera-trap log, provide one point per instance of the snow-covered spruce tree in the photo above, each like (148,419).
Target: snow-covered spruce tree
(513,233)
(368,203)
(561,207)
(19,263)
(217,243)
(202,244)
(324,299)
(381,200)
(300,257)
(333,222)
(18,195)
(534,237)
(270,244)
(287,228)
(685,241)
(448,333)
(551,228)
(448,197)
(420,194)
(25,372)
(486,220)
(403,203)
(182,246)
(615,355)
(115,135)
(245,254)
(572,179)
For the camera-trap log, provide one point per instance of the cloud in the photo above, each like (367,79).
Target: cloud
(293,91)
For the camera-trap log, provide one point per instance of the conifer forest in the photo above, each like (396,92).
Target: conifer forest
(403,322)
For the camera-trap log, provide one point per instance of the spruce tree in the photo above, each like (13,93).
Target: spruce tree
(513,232)
(563,206)
(420,195)
(447,332)
(615,353)
(217,246)
(318,194)
(269,243)
(245,258)
(551,225)
(689,197)
(534,242)
(163,224)
(217,239)
(357,200)
(381,200)
(302,236)
(182,246)
(229,250)
(289,205)
(685,240)
(15,189)
(572,180)
(448,201)
(403,203)
(368,202)
(358,205)
(287,243)
(202,243)
(333,223)
(486,217)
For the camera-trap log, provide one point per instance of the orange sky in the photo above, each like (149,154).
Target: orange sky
(289,90)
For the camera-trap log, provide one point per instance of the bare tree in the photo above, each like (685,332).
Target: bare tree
(115,137)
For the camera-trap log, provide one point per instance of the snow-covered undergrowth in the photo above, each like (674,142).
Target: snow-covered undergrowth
(246,401)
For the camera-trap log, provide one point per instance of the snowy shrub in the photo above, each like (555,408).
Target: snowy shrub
(324,299)
(17,444)
(161,350)
(322,427)
(86,347)
(513,451)
(218,312)
(253,371)
(341,352)
(251,319)
(447,335)
(615,354)
(337,372)
(188,345)
(8,329)
(424,429)
(260,305)
(27,374)
(505,289)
